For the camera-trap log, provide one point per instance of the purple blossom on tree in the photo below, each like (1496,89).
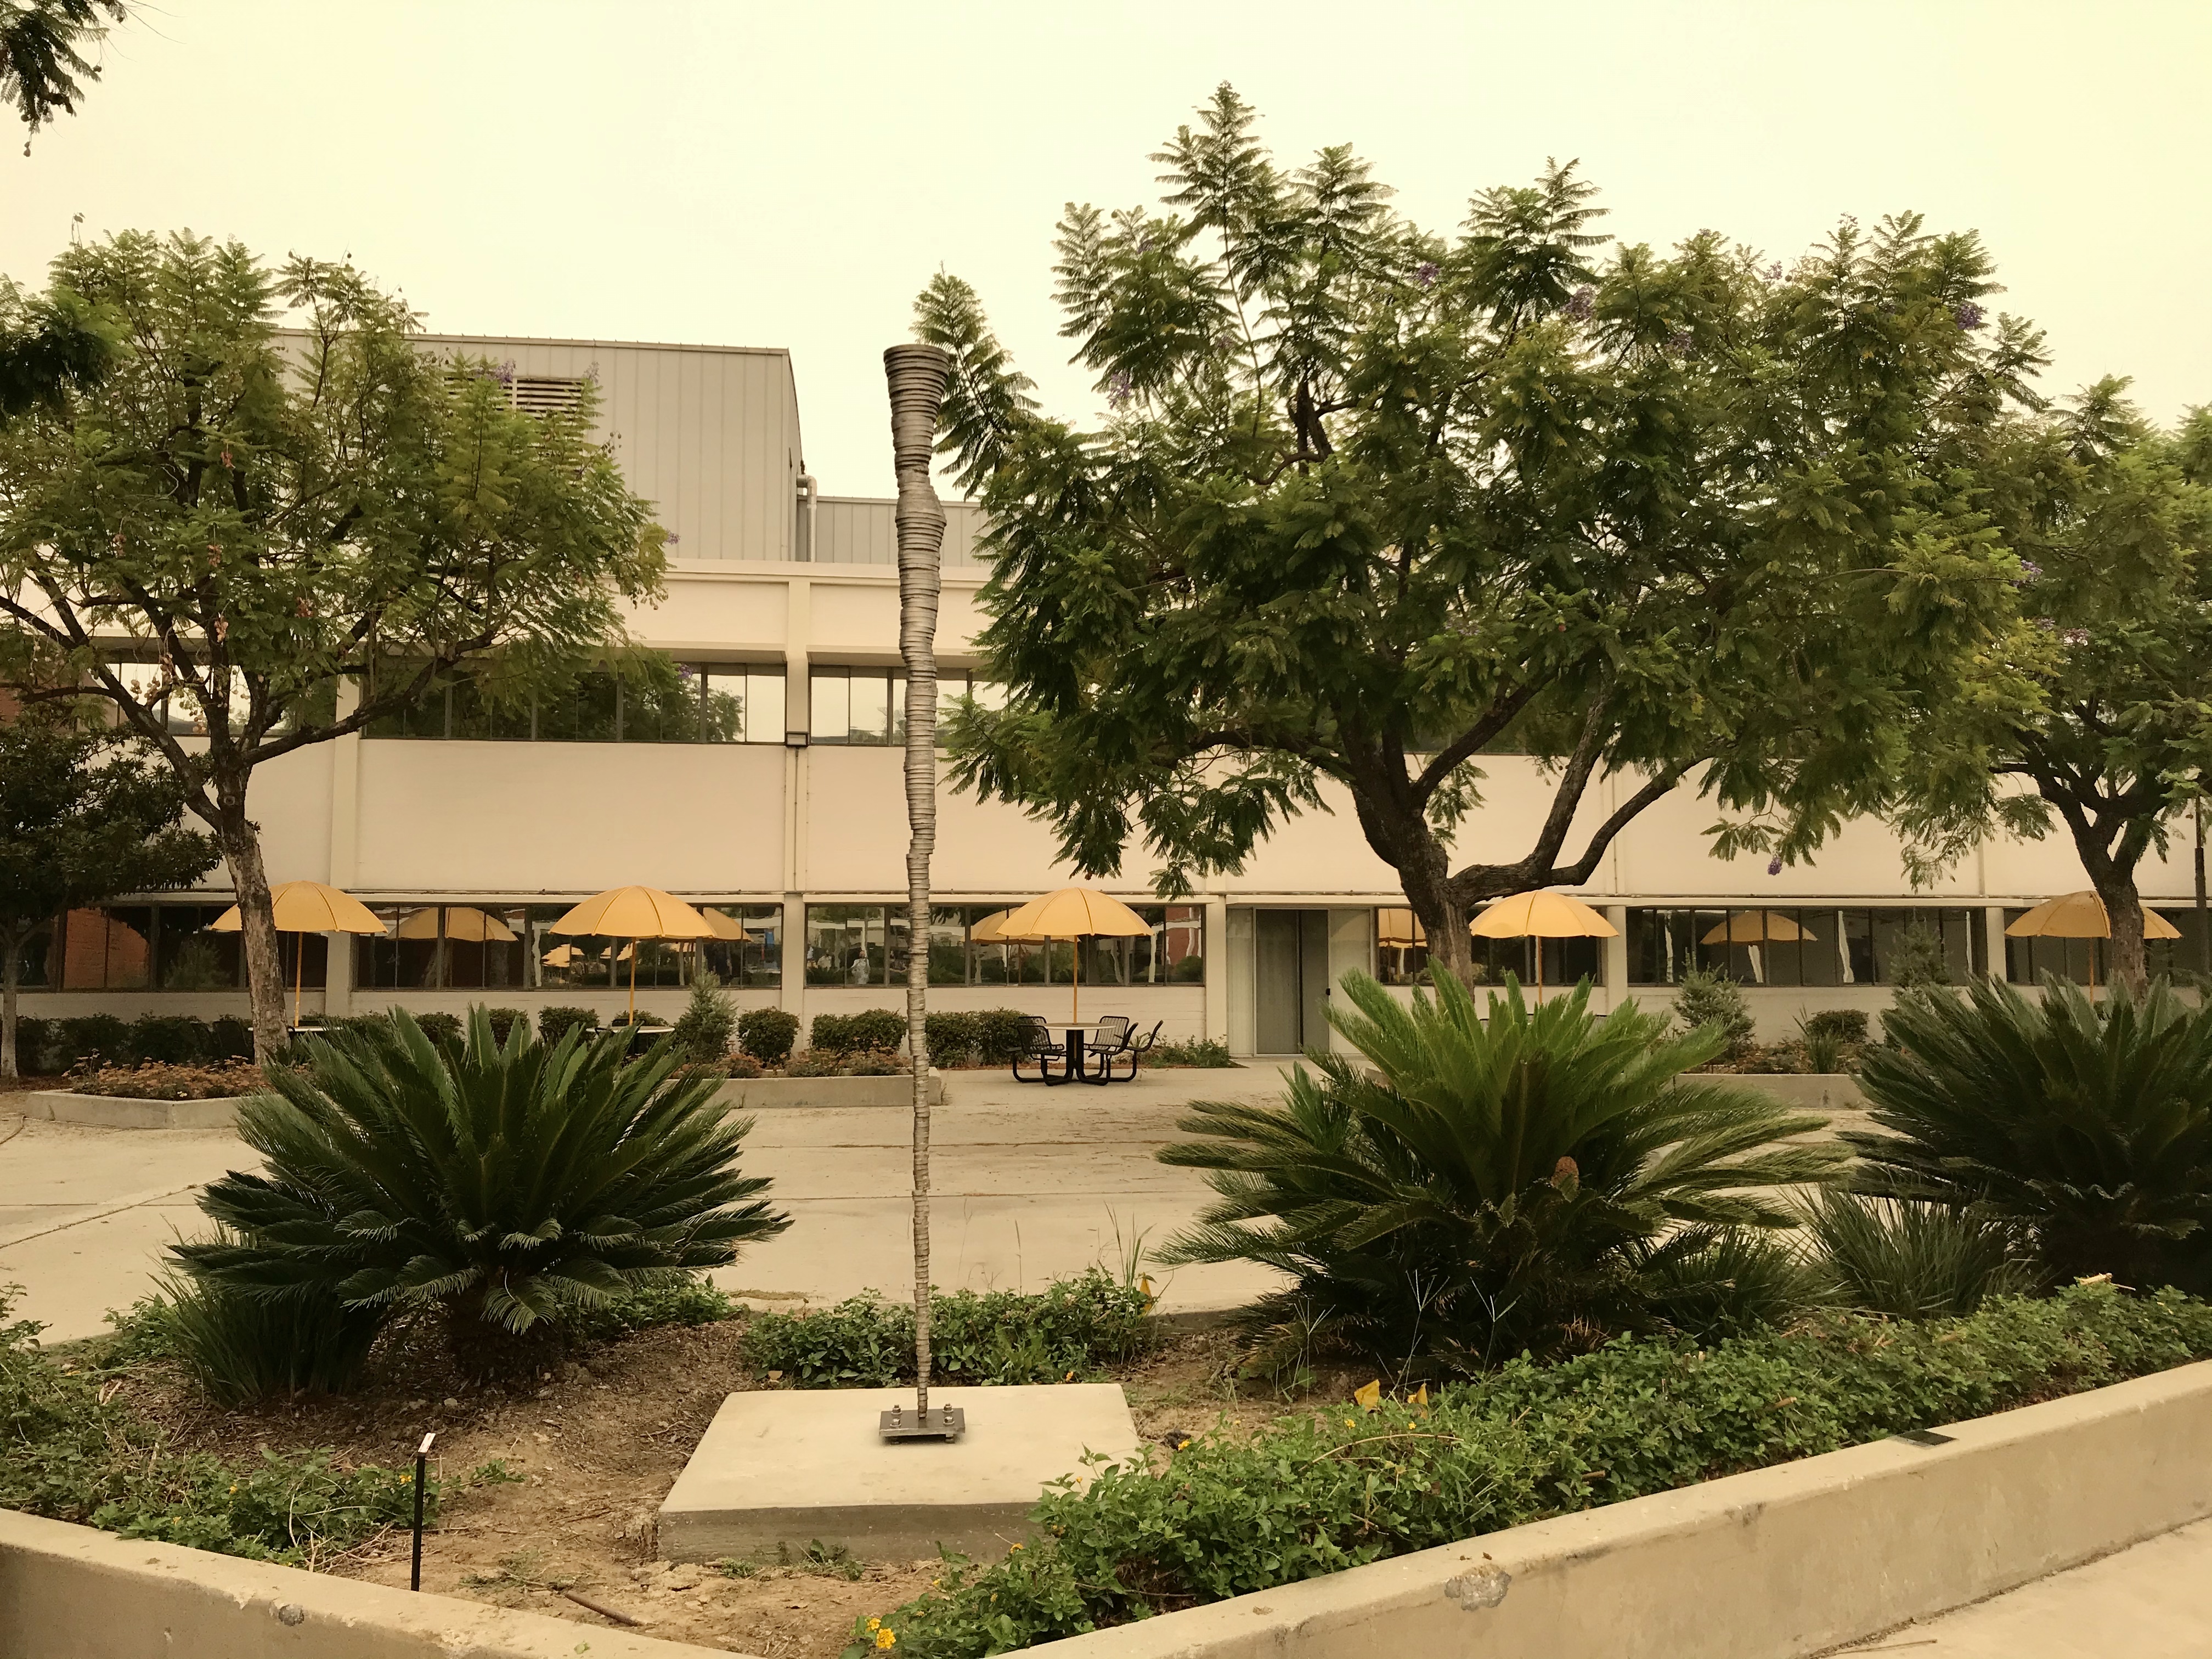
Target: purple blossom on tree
(1774,865)
(1121,389)
(2074,635)
(1425,273)
(1968,316)
(2029,570)
(1579,307)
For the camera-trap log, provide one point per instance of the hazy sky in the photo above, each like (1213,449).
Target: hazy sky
(790,175)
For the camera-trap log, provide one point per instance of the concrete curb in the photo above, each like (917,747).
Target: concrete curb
(120,1112)
(1778,1563)
(71,1591)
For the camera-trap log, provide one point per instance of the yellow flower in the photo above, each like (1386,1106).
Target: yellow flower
(233,1489)
(885,1638)
(875,1624)
(1351,1422)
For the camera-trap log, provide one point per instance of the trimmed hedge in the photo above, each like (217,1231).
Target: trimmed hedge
(846,1034)
(767,1034)
(555,1022)
(1228,1516)
(951,1037)
(45,1047)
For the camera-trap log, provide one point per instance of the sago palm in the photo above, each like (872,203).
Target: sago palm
(2089,1128)
(503,1185)
(1484,1182)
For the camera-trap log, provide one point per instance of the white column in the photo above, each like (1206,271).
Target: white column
(1615,959)
(344,849)
(1217,970)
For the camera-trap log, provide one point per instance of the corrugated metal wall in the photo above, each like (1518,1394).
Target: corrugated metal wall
(851,530)
(709,433)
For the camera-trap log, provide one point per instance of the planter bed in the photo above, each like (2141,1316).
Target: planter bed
(125,1112)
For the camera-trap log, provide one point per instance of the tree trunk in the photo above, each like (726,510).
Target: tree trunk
(2123,911)
(11,951)
(241,841)
(917,375)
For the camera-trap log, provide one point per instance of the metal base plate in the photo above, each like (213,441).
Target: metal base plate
(940,1423)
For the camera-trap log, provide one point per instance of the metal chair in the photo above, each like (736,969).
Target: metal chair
(1112,1042)
(1037,1048)
(1132,1049)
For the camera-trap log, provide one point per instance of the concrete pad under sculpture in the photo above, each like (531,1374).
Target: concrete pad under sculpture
(792,1466)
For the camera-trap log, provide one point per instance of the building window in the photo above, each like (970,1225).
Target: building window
(160,947)
(866,945)
(668,702)
(2027,960)
(1401,955)
(868,705)
(1811,946)
(496,948)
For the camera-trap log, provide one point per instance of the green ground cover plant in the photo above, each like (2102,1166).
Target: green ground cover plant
(1206,1054)
(75,1453)
(1068,1330)
(1345,1486)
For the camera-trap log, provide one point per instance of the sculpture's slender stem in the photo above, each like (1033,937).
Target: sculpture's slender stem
(917,376)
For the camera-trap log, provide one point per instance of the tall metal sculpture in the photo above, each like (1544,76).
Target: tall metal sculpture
(917,374)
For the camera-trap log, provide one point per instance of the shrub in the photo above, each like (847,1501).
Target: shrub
(438,1024)
(1487,1185)
(872,1063)
(504,1020)
(767,1034)
(555,1022)
(1912,1261)
(680,1302)
(230,1038)
(1707,997)
(709,1021)
(88,1037)
(1000,1034)
(1919,961)
(153,1081)
(1207,1053)
(33,1039)
(845,1034)
(1313,1495)
(2089,1129)
(952,1037)
(995,1336)
(502,1187)
(1713,1283)
(241,1348)
(76,1453)
(168,1039)
(1845,1024)
(814,1062)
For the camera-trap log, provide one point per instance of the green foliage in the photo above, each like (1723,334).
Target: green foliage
(1207,1054)
(504,1020)
(846,1034)
(1919,960)
(2087,1126)
(34,1039)
(76,1456)
(1844,1025)
(43,61)
(83,818)
(1709,1283)
(710,1019)
(1912,1260)
(1311,1496)
(87,1038)
(241,1349)
(1486,1182)
(689,1301)
(767,1034)
(1074,1327)
(439,1024)
(1709,998)
(1000,1034)
(555,1022)
(168,1039)
(505,1187)
(952,1038)
(1357,508)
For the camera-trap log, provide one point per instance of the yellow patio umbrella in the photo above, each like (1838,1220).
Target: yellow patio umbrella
(987,932)
(634,913)
(464,925)
(1544,915)
(1073,913)
(723,926)
(1758,927)
(2083,915)
(306,907)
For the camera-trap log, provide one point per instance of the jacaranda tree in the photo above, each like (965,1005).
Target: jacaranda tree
(1371,501)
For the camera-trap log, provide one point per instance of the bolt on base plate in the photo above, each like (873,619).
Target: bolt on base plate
(903,1422)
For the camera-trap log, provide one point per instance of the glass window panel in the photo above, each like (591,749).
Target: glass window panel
(122,941)
(585,713)
(664,705)
(845,945)
(832,698)
(40,957)
(483,718)
(764,705)
(755,960)
(1401,947)
(193,959)
(313,974)
(871,718)
(725,705)
(948,955)
(561,961)
(897,696)
(423,717)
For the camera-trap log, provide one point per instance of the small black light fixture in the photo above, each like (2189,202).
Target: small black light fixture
(422,1477)
(795,740)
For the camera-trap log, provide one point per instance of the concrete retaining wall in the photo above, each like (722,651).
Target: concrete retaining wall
(1816,1092)
(71,1593)
(1778,1563)
(755,1094)
(116,1112)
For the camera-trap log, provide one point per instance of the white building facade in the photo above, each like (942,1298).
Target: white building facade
(760,775)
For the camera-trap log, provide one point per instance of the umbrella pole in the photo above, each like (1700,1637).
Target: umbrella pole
(633,982)
(299,973)
(1075,990)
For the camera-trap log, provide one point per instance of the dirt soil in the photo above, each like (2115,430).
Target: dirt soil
(596,1444)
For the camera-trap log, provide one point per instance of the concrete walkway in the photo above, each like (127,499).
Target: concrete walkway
(1031,1184)
(2152,1602)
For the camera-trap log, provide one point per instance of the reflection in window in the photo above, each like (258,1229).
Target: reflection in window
(866,945)
(2027,960)
(145,947)
(868,705)
(1799,945)
(662,702)
(1401,955)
